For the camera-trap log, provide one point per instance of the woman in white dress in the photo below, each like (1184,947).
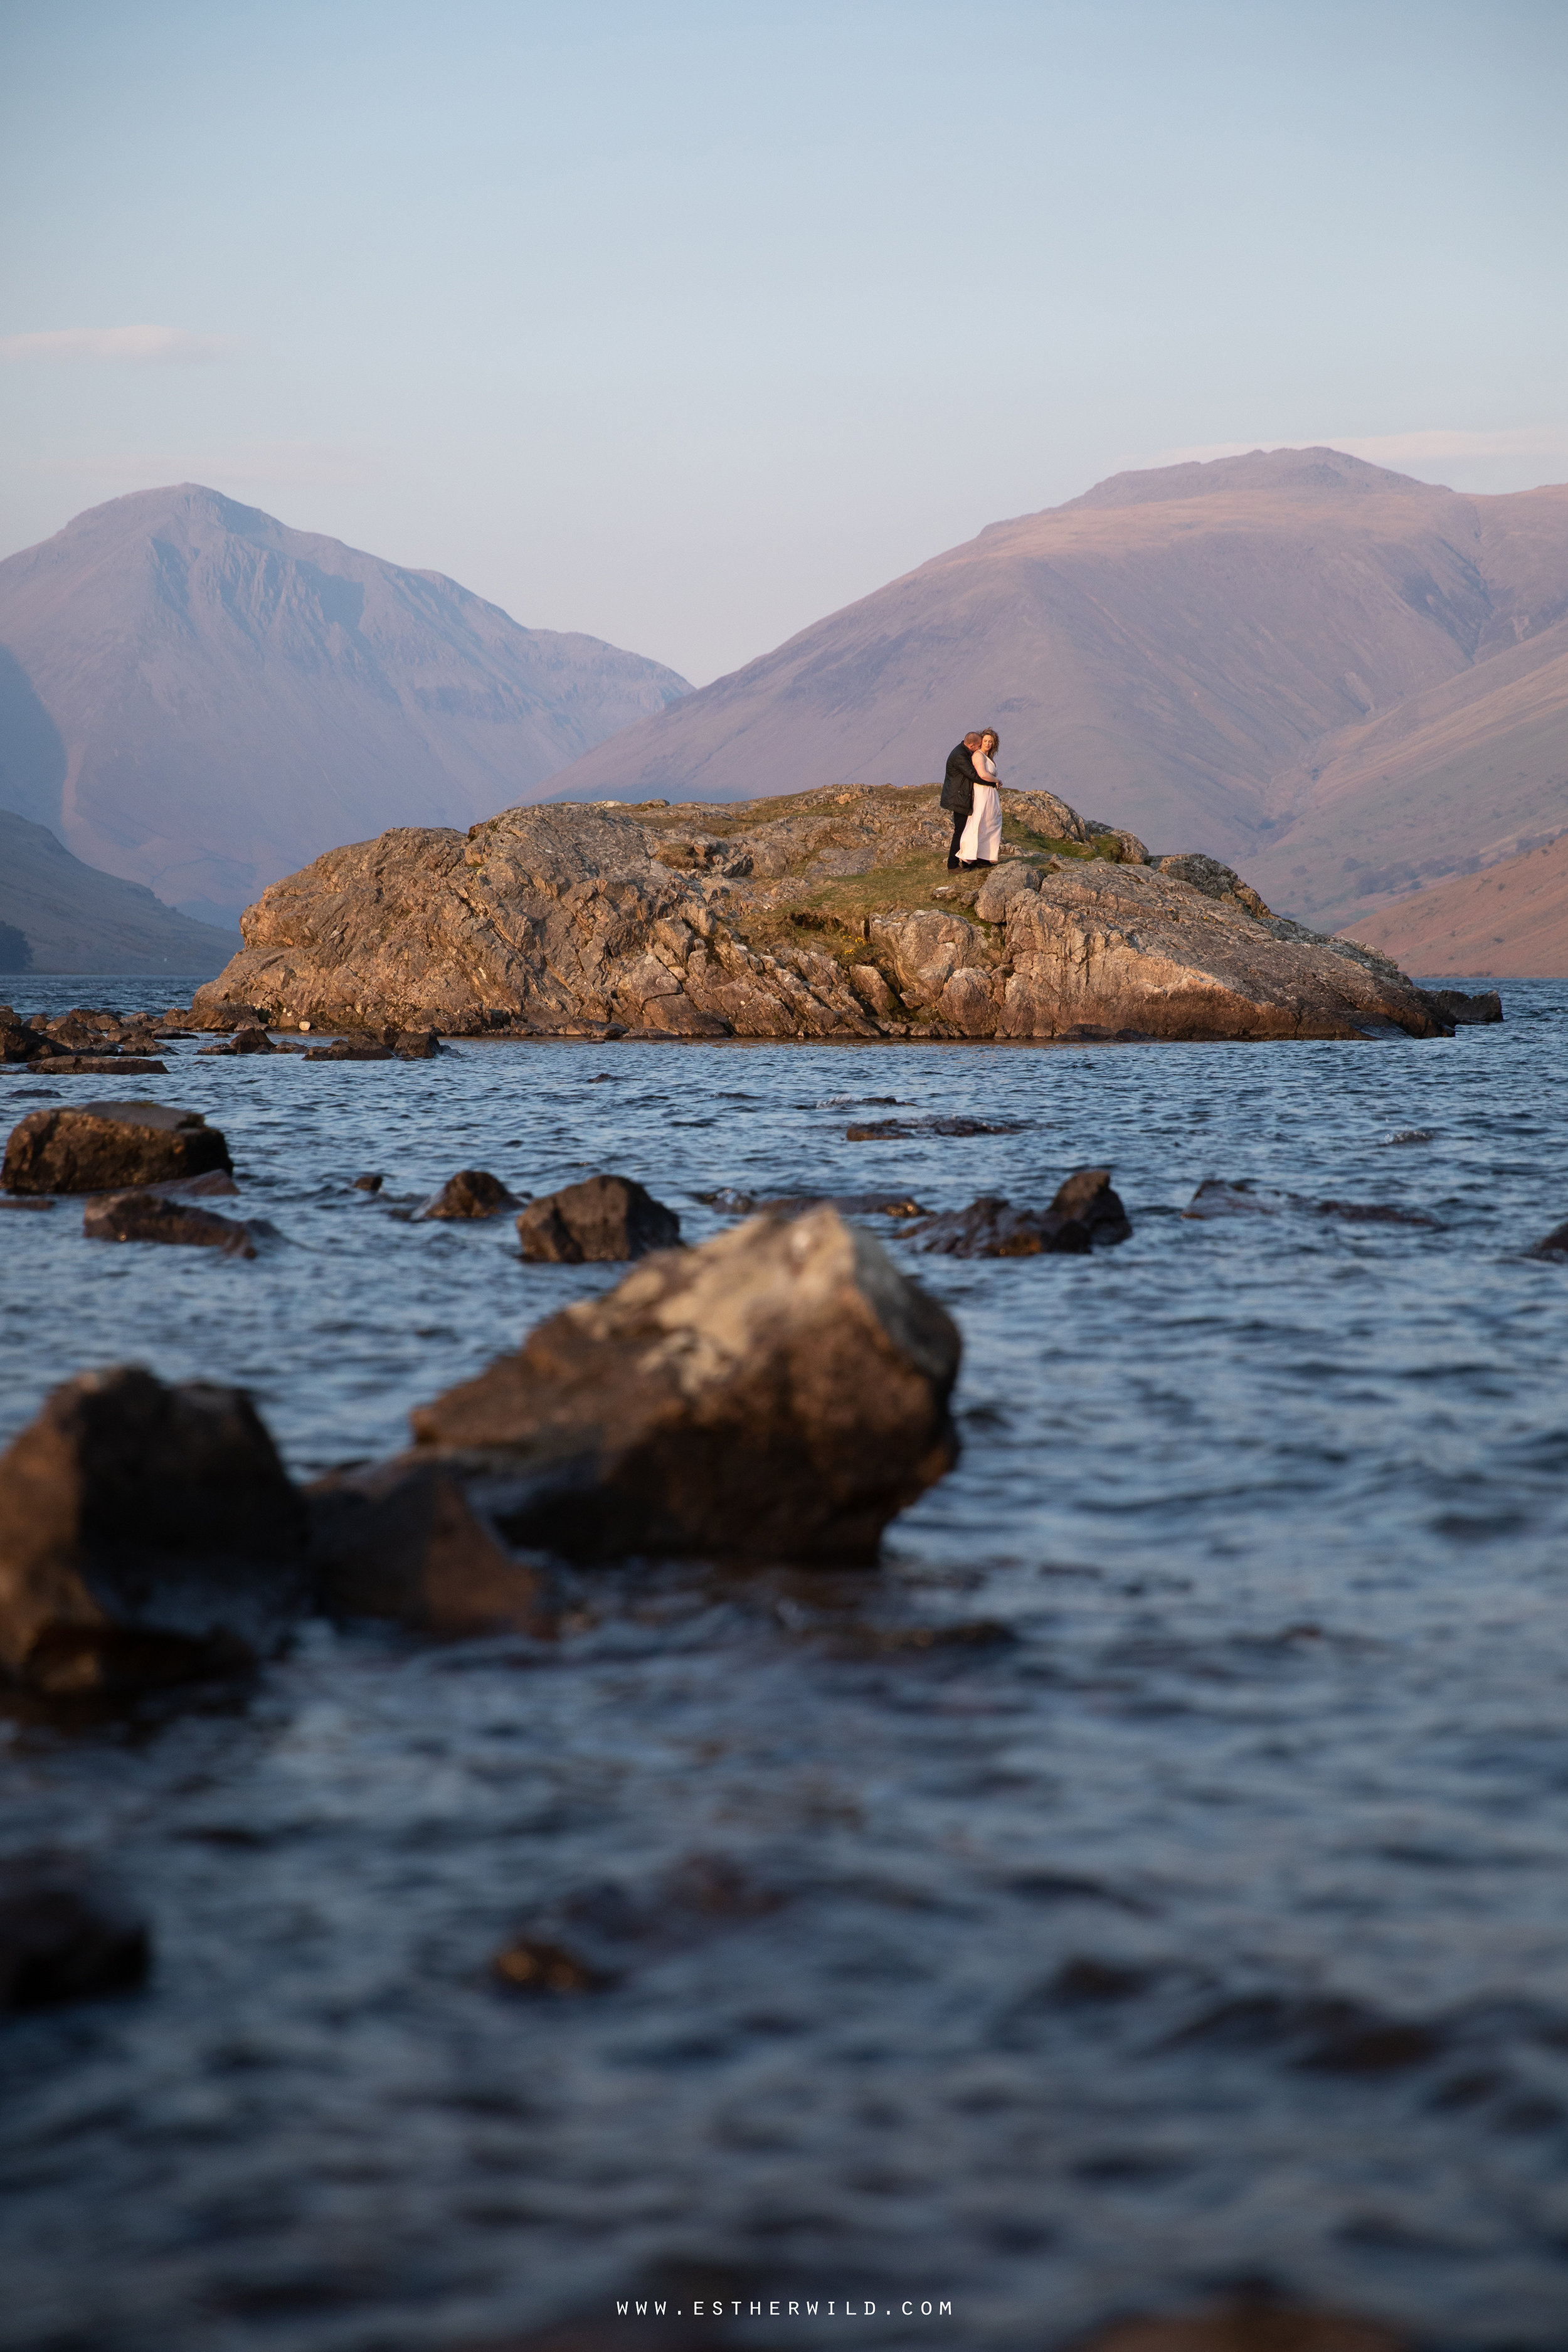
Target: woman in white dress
(983,835)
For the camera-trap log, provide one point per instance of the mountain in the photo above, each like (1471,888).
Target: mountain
(198,699)
(1342,680)
(58,915)
(1508,922)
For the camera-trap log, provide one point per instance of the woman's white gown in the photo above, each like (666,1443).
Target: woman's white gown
(982,836)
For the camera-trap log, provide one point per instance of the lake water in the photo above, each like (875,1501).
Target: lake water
(1212,1928)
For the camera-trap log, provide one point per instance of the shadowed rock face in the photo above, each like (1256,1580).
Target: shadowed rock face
(147,1534)
(800,918)
(778,1394)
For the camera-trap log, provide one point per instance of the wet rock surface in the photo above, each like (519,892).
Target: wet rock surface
(473,1192)
(780,1392)
(147,1534)
(61,1940)
(104,1147)
(604,1218)
(150,1216)
(399,1539)
(1085,1212)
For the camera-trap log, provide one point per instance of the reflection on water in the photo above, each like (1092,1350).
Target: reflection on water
(1155,1878)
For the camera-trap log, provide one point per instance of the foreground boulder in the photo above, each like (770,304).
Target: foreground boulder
(607,1218)
(1085,1211)
(471,1192)
(105,1147)
(778,1394)
(147,1534)
(148,1216)
(399,1539)
(61,1942)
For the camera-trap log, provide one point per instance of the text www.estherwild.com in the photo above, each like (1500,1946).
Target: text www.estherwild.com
(779,2307)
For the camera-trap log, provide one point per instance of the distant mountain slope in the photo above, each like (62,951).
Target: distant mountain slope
(73,918)
(1179,650)
(1509,920)
(1461,775)
(199,698)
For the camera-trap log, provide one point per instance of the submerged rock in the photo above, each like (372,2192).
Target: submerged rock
(1219,1196)
(607,1218)
(1554,1245)
(534,1964)
(61,1942)
(471,1192)
(399,1539)
(103,1147)
(149,1216)
(147,1534)
(346,1049)
(777,1393)
(1085,1211)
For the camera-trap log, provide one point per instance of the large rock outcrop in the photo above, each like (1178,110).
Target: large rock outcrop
(147,1534)
(778,1394)
(830,915)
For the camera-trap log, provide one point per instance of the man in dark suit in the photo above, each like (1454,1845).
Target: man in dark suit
(958,792)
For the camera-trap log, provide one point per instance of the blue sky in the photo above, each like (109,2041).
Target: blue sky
(686,324)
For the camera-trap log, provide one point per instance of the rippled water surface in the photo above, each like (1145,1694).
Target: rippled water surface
(1215,1927)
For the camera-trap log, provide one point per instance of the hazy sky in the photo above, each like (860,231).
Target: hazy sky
(686,324)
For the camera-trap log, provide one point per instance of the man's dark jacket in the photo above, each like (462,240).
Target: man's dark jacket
(958,784)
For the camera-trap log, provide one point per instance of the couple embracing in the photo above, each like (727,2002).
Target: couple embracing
(971,791)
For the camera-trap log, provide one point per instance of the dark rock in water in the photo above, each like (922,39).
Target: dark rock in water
(848,1205)
(889,1130)
(368,1183)
(25,1201)
(1085,1211)
(345,1049)
(1219,1196)
(59,1943)
(1087,1197)
(147,1216)
(102,1147)
(1553,1246)
(608,1217)
(471,1192)
(417,1046)
(1465,1011)
(105,1065)
(1372,1212)
(778,1394)
(147,1535)
(18,1041)
(530,1964)
(399,1539)
(250,1039)
(992,1227)
(217,1184)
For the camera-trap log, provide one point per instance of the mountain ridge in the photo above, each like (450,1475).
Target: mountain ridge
(199,698)
(1181,648)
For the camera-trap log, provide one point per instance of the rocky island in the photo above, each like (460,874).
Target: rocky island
(828,914)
